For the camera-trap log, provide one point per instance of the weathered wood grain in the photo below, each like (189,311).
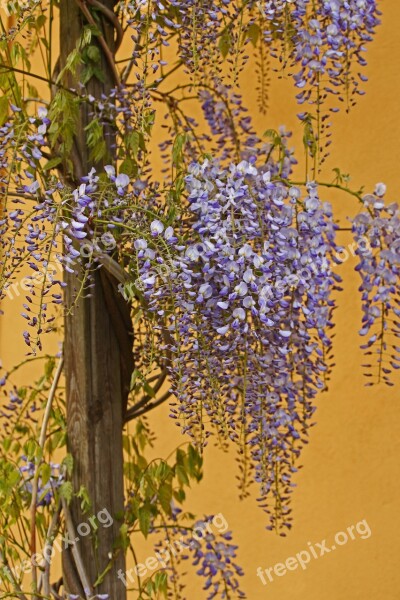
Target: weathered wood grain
(98,366)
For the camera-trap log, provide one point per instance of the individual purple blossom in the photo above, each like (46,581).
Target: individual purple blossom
(156,228)
(121,182)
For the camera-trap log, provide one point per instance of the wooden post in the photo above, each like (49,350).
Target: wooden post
(98,365)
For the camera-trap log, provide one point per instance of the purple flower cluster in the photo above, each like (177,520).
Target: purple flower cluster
(214,557)
(331,43)
(379,269)
(29,223)
(323,45)
(248,302)
(196,26)
(329,36)
(45,489)
(210,550)
(23,10)
(48,226)
(12,407)
(199,27)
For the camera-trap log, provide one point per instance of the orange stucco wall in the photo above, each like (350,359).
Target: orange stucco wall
(351,468)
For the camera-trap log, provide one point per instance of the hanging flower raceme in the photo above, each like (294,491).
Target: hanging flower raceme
(234,135)
(214,556)
(210,550)
(30,221)
(377,233)
(322,44)
(47,225)
(329,42)
(248,303)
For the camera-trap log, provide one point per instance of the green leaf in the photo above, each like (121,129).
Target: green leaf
(7,444)
(45,473)
(131,471)
(180,456)
(135,375)
(165,496)
(83,494)
(45,42)
(163,470)
(95,140)
(30,449)
(134,141)
(90,71)
(49,367)
(129,166)
(3,109)
(177,149)
(33,91)
(73,61)
(68,463)
(253,33)
(161,582)
(195,463)
(148,389)
(144,520)
(148,119)
(180,495)
(182,475)
(88,32)
(93,52)
(40,21)
(225,44)
(126,443)
(52,163)
(63,114)
(66,491)
(124,539)
(13,478)
(58,439)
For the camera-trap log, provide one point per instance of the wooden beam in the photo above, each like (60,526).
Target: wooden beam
(98,362)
